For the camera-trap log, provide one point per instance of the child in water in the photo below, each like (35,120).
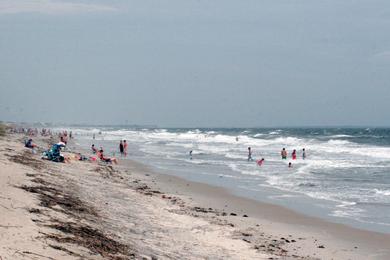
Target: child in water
(93,148)
(303,154)
(289,165)
(260,162)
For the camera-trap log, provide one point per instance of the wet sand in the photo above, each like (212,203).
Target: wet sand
(96,211)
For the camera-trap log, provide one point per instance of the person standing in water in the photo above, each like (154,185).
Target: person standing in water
(303,154)
(250,154)
(289,165)
(121,148)
(191,155)
(93,148)
(125,147)
(283,153)
(294,155)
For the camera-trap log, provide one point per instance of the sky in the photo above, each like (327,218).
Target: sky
(196,63)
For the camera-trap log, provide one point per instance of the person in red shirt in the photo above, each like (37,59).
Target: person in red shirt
(260,162)
(125,147)
(294,154)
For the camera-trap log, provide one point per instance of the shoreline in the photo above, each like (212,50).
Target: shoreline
(275,219)
(148,214)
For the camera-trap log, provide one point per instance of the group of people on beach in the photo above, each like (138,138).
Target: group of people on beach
(54,151)
(31,131)
(123,148)
(260,162)
(100,154)
(283,154)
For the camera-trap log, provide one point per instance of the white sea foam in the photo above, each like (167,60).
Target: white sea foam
(258,135)
(341,136)
(338,142)
(382,192)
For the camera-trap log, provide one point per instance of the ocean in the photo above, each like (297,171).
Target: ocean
(345,177)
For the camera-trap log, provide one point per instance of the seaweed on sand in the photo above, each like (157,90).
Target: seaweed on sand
(90,238)
(26,158)
(78,233)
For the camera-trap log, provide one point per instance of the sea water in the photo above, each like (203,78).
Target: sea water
(344,178)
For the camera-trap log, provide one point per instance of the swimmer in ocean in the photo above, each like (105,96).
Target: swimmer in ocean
(250,154)
(260,162)
(284,153)
(294,155)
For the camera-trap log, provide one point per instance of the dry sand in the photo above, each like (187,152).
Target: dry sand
(91,211)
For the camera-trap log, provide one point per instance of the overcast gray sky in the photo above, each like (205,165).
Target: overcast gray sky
(196,62)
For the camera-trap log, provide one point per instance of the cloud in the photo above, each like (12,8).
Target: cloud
(50,7)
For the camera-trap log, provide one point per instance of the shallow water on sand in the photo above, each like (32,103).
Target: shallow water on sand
(345,176)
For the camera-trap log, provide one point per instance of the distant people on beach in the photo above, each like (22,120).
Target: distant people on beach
(93,148)
(45,132)
(121,148)
(294,155)
(82,157)
(125,147)
(303,154)
(250,154)
(260,162)
(32,132)
(29,144)
(64,137)
(190,155)
(101,156)
(283,153)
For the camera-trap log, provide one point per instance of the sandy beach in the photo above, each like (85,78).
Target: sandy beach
(83,210)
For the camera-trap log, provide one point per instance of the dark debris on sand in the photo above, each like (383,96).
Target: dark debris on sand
(76,231)
(59,200)
(90,238)
(27,159)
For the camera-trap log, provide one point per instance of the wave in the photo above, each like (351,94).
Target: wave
(276,132)
(258,135)
(382,192)
(338,142)
(341,136)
